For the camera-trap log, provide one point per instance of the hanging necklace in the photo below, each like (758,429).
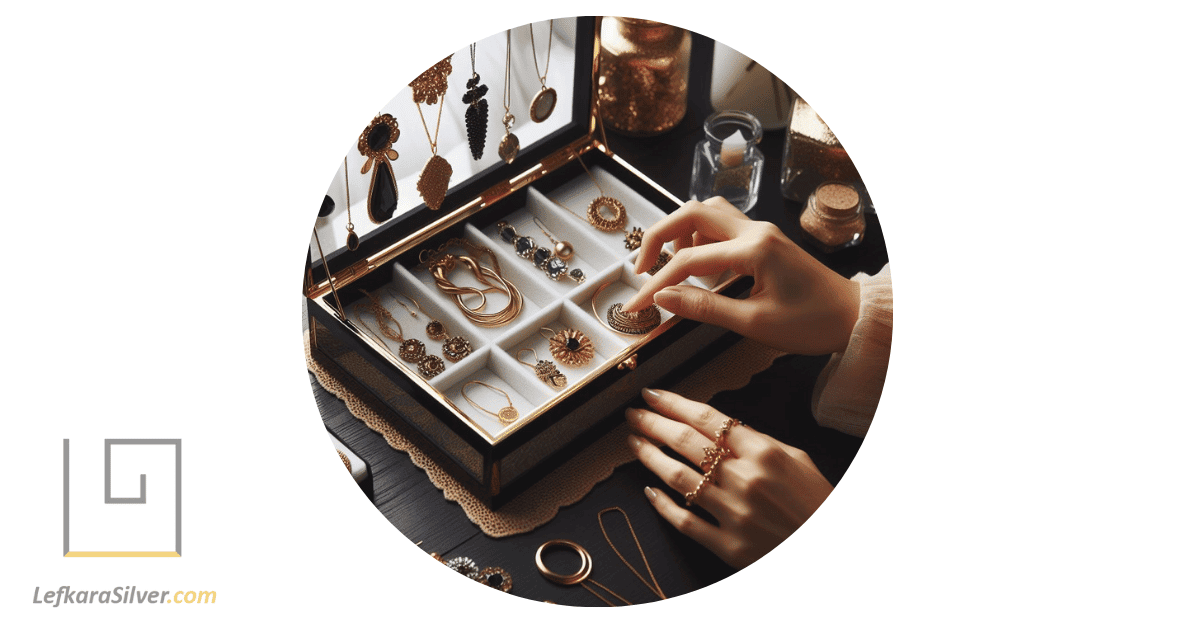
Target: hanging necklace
(510,145)
(351,237)
(597,218)
(430,88)
(507,414)
(544,102)
(477,111)
(562,248)
(375,143)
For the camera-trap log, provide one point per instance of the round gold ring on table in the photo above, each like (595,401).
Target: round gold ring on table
(724,430)
(585,567)
(636,323)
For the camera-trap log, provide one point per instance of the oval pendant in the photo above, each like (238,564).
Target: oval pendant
(434,181)
(352,241)
(508,414)
(509,147)
(543,104)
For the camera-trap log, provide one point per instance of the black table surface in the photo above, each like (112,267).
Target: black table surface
(776,402)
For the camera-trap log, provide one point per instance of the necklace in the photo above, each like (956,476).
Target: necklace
(507,414)
(582,577)
(375,143)
(440,264)
(544,102)
(597,218)
(562,248)
(351,237)
(477,111)
(510,145)
(430,88)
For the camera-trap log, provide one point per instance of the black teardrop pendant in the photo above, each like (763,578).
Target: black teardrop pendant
(383,197)
(476,116)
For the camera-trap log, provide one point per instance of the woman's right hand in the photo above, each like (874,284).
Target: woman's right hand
(797,305)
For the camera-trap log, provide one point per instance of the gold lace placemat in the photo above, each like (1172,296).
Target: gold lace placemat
(567,484)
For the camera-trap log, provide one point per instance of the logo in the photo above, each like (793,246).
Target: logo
(124,517)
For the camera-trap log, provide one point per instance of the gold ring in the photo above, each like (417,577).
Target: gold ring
(585,568)
(725,427)
(691,497)
(713,457)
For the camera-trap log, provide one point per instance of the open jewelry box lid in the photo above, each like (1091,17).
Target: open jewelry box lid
(473,184)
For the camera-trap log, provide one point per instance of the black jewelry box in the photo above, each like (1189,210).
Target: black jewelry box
(493,459)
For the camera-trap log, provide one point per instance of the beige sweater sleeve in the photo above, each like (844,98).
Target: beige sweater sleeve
(848,390)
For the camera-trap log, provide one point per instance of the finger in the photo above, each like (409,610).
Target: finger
(687,522)
(696,261)
(705,418)
(681,478)
(682,438)
(716,223)
(683,242)
(701,305)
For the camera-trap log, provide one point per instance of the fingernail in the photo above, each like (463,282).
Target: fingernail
(650,494)
(651,395)
(669,298)
(633,414)
(634,442)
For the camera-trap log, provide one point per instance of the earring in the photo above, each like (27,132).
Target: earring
(570,347)
(545,370)
(454,348)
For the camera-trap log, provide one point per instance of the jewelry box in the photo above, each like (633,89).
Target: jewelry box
(384,292)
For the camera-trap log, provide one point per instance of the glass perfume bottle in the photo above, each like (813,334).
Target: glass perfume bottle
(728,161)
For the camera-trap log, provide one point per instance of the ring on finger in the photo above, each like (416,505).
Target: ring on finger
(713,456)
(724,430)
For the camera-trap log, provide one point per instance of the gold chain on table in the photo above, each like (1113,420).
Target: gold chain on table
(656,589)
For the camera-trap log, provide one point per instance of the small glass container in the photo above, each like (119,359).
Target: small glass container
(834,217)
(810,147)
(643,76)
(728,161)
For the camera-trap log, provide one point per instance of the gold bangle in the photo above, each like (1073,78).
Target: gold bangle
(585,568)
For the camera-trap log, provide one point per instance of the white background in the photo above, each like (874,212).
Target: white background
(1032,163)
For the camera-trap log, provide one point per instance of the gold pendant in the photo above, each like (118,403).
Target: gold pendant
(543,104)
(508,414)
(548,373)
(509,145)
(434,181)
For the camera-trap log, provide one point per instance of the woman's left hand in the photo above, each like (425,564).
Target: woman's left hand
(759,494)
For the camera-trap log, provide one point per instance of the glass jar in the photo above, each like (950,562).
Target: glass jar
(810,147)
(643,76)
(834,217)
(728,162)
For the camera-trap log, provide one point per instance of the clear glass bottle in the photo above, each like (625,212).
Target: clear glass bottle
(834,217)
(643,75)
(728,161)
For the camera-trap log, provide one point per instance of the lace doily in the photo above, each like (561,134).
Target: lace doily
(571,481)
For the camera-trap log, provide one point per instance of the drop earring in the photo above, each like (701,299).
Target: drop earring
(545,370)
(375,143)
(454,348)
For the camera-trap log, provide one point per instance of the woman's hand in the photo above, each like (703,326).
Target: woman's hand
(759,495)
(797,304)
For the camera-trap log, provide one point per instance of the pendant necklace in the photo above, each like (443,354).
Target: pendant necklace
(430,88)
(375,143)
(597,218)
(544,102)
(477,111)
(351,237)
(510,145)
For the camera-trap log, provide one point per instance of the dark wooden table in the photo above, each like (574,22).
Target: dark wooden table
(776,401)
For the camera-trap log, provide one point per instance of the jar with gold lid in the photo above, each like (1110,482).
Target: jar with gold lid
(811,148)
(834,219)
(643,75)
